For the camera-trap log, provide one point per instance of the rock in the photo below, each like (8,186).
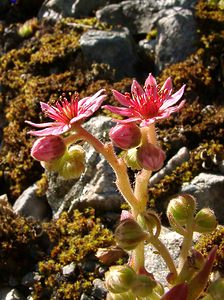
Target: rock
(95,187)
(180,157)
(99,291)
(208,190)
(139,16)
(172,45)
(85,8)
(56,9)
(115,48)
(29,204)
(10,294)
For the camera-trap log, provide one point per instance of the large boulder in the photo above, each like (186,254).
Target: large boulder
(96,187)
(172,44)
(115,48)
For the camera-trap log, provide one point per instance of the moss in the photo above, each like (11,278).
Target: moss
(75,239)
(25,243)
(18,242)
(207,241)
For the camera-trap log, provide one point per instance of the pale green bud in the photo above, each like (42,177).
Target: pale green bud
(131,159)
(119,279)
(129,234)
(181,208)
(205,221)
(72,163)
(143,286)
(150,221)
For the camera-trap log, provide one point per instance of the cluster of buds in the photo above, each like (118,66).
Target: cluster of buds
(53,154)
(183,208)
(139,154)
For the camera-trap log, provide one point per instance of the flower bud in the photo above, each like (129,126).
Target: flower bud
(143,286)
(123,296)
(125,136)
(205,221)
(72,163)
(150,221)
(48,148)
(181,208)
(119,279)
(129,234)
(150,157)
(131,159)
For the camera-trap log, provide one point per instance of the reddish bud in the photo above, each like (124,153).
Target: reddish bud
(125,136)
(150,157)
(48,148)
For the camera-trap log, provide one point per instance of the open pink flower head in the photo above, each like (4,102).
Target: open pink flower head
(66,113)
(148,104)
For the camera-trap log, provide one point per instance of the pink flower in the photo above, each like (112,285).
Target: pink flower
(66,113)
(148,104)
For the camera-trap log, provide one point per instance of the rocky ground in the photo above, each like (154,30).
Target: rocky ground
(50,47)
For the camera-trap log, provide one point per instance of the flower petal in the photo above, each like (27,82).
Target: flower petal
(168,85)
(173,99)
(136,89)
(56,130)
(126,121)
(42,125)
(150,80)
(120,98)
(124,111)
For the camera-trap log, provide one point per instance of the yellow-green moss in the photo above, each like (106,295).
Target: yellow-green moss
(208,241)
(75,239)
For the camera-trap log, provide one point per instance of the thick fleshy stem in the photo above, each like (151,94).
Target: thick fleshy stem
(141,193)
(118,165)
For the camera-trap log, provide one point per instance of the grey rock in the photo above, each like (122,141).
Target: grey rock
(138,16)
(29,204)
(56,9)
(10,294)
(95,187)
(208,190)
(173,46)
(115,48)
(84,8)
(180,157)
(99,291)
